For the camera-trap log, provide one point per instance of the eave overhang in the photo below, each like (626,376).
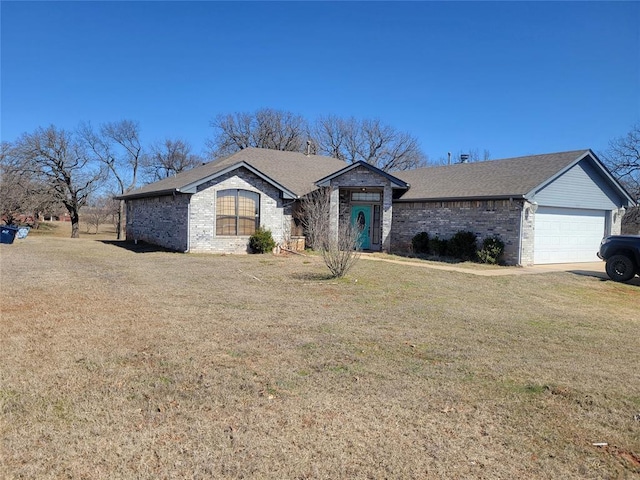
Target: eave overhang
(191,188)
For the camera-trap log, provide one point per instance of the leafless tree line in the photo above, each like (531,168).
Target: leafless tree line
(623,159)
(51,169)
(349,139)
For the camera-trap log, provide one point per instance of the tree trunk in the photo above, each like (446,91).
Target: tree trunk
(75,222)
(120,218)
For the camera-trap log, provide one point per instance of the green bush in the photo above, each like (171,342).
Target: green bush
(463,245)
(491,251)
(262,241)
(420,243)
(439,246)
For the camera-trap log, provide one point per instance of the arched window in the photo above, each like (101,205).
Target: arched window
(237,212)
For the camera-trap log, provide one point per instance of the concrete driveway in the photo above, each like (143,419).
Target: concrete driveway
(591,269)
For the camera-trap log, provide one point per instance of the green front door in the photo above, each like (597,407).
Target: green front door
(361,217)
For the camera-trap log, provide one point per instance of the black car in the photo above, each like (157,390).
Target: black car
(622,254)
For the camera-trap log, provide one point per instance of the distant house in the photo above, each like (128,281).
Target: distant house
(551,208)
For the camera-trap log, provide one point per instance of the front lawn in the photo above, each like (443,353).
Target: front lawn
(123,364)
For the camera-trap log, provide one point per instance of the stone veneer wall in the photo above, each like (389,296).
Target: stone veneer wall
(484,218)
(275,214)
(159,220)
(361,177)
(528,234)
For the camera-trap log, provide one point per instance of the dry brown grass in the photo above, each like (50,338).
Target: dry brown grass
(118,364)
(63,229)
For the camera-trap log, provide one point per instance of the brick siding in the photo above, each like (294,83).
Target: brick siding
(159,220)
(165,221)
(443,219)
(274,215)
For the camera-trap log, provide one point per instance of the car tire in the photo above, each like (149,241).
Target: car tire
(620,268)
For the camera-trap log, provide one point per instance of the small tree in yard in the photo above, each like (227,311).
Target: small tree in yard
(116,145)
(339,250)
(98,213)
(93,217)
(314,216)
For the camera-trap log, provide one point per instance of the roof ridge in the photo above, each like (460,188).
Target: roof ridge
(577,153)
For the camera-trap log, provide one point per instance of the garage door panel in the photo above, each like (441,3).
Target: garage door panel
(565,235)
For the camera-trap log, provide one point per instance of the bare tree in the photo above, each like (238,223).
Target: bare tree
(117,146)
(370,141)
(340,250)
(631,222)
(56,159)
(169,158)
(350,140)
(280,130)
(623,159)
(314,215)
(16,187)
(331,134)
(266,128)
(97,213)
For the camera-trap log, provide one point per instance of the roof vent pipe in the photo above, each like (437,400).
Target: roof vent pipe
(308,147)
(449,158)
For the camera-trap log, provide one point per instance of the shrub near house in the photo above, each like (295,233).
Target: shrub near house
(461,246)
(261,241)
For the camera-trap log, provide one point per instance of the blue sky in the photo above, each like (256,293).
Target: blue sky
(514,78)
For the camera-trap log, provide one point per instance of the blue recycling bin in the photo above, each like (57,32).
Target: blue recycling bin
(7,233)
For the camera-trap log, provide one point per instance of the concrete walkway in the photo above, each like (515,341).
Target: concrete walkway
(595,269)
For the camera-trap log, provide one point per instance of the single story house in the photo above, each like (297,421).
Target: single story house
(551,208)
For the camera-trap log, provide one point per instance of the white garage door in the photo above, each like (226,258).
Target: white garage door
(564,235)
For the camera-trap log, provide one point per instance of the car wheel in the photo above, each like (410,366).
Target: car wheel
(620,268)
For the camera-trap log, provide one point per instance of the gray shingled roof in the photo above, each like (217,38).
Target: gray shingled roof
(511,177)
(292,170)
(295,173)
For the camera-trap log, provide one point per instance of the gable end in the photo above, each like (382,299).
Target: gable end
(582,185)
